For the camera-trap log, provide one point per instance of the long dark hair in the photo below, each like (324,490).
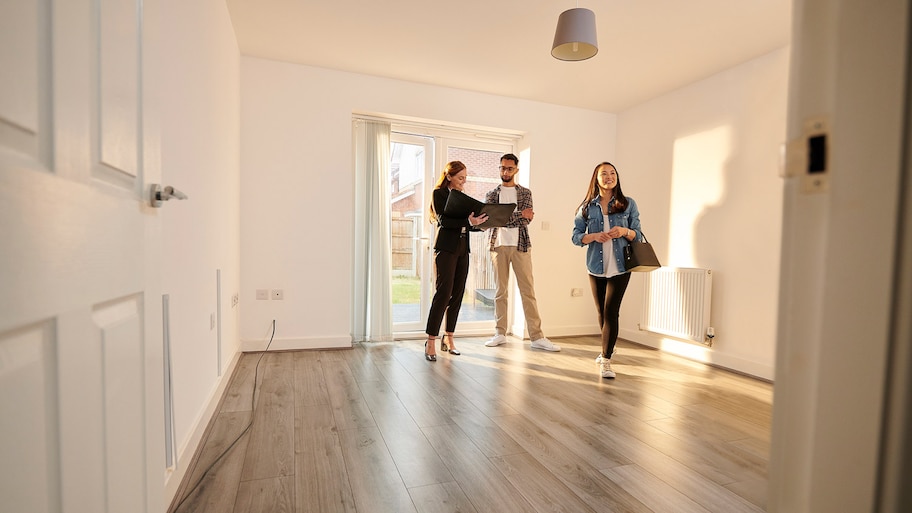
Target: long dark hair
(620,201)
(450,170)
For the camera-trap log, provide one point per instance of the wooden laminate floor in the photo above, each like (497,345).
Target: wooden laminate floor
(507,429)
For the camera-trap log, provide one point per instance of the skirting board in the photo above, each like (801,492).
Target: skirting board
(696,352)
(290,344)
(174,475)
(572,331)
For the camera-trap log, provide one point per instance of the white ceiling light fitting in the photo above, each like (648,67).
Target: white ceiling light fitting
(575,38)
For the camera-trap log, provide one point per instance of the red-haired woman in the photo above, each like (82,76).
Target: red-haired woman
(451,260)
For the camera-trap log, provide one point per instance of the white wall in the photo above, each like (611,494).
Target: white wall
(296,222)
(702,164)
(200,157)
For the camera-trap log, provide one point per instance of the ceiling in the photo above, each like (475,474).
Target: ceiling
(503,47)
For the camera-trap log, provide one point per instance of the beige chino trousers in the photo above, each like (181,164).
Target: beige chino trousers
(502,258)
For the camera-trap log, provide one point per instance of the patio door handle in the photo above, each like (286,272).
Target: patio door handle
(426,240)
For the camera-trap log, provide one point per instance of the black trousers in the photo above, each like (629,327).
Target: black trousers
(608,293)
(452,270)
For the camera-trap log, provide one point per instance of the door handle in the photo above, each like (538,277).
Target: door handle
(159,194)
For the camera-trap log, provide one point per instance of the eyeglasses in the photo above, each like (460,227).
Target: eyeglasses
(507,168)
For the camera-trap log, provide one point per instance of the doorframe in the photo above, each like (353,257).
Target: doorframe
(893,492)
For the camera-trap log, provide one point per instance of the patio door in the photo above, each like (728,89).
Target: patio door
(415,163)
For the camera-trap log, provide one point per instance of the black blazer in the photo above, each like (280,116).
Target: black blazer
(449,228)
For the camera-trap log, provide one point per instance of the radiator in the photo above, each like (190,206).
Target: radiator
(677,303)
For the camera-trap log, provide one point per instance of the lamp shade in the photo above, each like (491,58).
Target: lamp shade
(574,39)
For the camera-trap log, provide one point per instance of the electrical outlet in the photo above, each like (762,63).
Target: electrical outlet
(278,294)
(262,294)
(576,292)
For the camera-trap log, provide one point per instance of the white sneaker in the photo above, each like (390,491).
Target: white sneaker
(598,359)
(605,369)
(496,340)
(544,343)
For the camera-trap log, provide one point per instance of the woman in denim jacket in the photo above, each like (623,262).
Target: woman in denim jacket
(606,221)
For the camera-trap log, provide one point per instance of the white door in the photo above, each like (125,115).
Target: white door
(81,408)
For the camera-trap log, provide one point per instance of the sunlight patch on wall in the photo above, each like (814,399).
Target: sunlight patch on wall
(524,166)
(697,183)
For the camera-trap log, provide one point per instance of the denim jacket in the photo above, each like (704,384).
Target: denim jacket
(629,218)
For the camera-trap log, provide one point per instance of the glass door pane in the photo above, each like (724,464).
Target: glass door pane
(482,160)
(411,165)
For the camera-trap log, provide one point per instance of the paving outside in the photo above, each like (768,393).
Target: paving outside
(469,312)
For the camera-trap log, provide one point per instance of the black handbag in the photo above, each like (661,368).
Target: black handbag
(640,257)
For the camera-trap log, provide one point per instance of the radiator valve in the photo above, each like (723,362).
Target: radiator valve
(710,335)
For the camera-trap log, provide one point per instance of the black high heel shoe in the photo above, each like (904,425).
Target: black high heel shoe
(429,357)
(445,347)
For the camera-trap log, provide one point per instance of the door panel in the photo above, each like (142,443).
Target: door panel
(118,325)
(118,88)
(80,314)
(21,28)
(29,474)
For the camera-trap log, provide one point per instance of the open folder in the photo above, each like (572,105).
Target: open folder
(460,204)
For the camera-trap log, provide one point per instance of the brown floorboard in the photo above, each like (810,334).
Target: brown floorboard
(378,429)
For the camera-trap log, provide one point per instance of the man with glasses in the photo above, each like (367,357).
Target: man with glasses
(510,247)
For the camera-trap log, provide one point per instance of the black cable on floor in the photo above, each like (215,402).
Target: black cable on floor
(241,435)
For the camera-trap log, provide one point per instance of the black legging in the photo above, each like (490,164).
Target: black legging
(452,270)
(608,293)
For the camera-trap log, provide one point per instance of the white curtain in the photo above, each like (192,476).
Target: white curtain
(372,295)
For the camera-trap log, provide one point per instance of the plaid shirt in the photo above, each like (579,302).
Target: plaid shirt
(523,201)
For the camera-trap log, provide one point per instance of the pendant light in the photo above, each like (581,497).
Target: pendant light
(575,39)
